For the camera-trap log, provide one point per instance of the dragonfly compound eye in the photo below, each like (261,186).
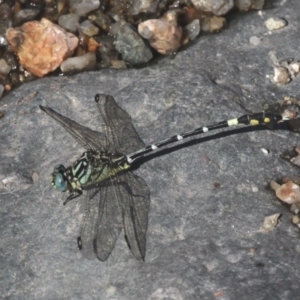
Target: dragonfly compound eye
(60,182)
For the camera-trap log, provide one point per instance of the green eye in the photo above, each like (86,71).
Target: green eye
(60,183)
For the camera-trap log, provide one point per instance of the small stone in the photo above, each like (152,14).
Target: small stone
(25,15)
(164,34)
(216,7)
(118,64)
(213,24)
(288,192)
(4,67)
(93,45)
(296,220)
(246,5)
(3,41)
(100,19)
(281,76)
(193,29)
(79,63)
(143,6)
(41,46)
(83,7)
(270,222)
(131,46)
(88,28)
(69,22)
(5,12)
(275,23)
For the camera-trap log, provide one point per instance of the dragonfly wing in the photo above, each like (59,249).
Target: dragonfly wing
(88,138)
(102,223)
(135,204)
(122,134)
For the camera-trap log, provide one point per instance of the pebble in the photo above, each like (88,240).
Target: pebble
(41,46)
(246,5)
(270,222)
(25,15)
(164,34)
(100,19)
(143,6)
(213,24)
(193,29)
(83,7)
(3,41)
(79,63)
(5,12)
(288,192)
(284,70)
(131,46)
(88,28)
(275,23)
(4,67)
(69,22)
(216,7)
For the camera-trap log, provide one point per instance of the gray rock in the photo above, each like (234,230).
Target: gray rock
(88,28)
(79,63)
(249,4)
(4,67)
(193,29)
(69,22)
(209,198)
(25,15)
(131,46)
(217,7)
(83,7)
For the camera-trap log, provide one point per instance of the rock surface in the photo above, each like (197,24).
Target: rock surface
(208,200)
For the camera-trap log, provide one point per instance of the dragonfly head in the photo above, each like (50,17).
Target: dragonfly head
(59,179)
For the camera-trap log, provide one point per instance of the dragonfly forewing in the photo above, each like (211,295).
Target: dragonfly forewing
(123,136)
(87,137)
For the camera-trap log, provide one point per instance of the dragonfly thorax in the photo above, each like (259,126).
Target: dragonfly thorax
(89,170)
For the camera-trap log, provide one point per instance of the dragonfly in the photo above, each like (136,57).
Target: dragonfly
(116,198)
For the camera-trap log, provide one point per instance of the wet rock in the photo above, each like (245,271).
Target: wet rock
(249,4)
(5,12)
(100,19)
(41,46)
(83,7)
(143,6)
(93,45)
(193,29)
(4,67)
(69,22)
(107,51)
(217,7)
(131,46)
(25,15)
(79,63)
(3,41)
(88,28)
(164,34)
